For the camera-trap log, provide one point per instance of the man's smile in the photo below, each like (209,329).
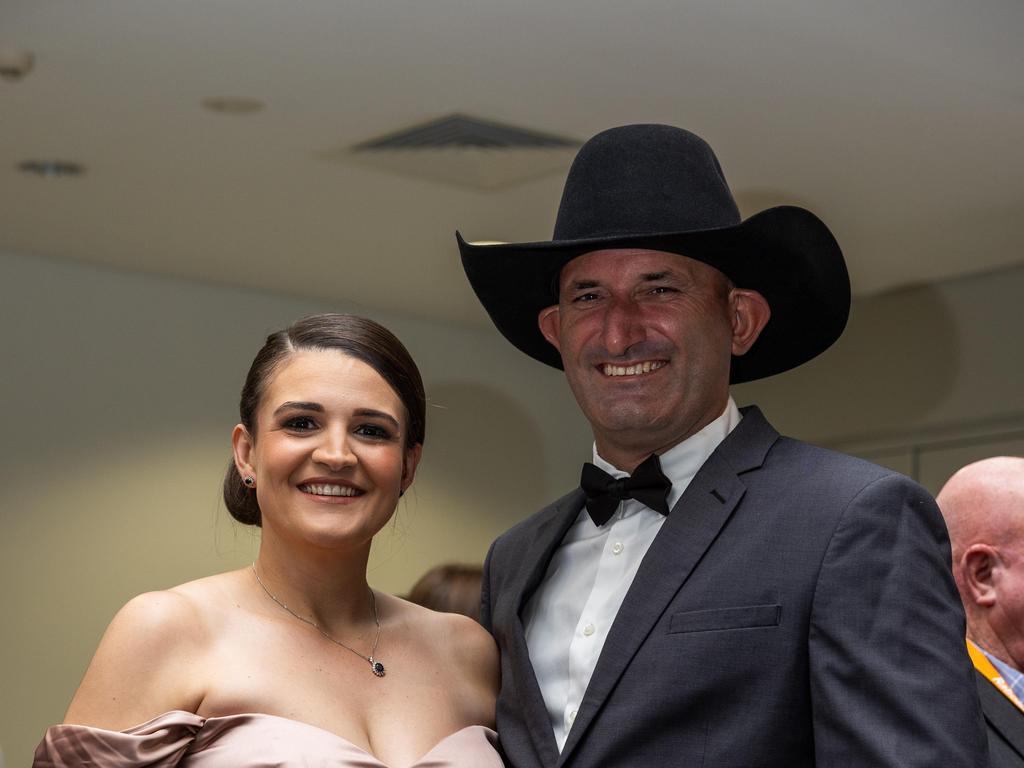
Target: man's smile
(633,369)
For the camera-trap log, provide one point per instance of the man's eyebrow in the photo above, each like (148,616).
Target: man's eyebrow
(654,276)
(645,277)
(293,405)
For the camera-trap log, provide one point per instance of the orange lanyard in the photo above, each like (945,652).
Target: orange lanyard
(983,665)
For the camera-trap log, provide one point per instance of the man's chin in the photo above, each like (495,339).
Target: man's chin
(631,427)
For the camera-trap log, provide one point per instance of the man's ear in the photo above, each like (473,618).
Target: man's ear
(978,566)
(548,321)
(241,447)
(749,312)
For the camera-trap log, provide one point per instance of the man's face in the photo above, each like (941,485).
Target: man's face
(1006,617)
(646,338)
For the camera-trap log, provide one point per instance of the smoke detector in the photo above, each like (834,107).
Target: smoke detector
(233,105)
(15,64)
(51,169)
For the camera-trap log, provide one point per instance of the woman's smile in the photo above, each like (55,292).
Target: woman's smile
(328,489)
(331,491)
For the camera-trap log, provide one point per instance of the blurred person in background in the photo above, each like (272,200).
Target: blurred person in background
(450,588)
(983,504)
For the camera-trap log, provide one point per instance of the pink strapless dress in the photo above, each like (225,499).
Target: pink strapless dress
(242,741)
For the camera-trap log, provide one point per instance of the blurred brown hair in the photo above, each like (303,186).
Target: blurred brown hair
(450,588)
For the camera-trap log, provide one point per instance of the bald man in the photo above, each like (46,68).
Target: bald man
(983,505)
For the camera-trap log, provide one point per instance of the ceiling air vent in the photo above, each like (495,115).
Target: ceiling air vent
(467,151)
(464,131)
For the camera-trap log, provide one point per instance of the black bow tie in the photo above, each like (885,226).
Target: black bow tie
(647,485)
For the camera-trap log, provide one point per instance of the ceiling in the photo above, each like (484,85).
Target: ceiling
(900,124)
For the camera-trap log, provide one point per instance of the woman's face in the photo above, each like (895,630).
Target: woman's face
(329,455)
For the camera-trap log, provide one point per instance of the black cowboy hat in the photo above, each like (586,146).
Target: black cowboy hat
(661,188)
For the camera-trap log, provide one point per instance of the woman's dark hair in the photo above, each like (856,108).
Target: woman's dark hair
(355,336)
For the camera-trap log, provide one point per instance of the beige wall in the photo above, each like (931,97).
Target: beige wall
(923,380)
(120,391)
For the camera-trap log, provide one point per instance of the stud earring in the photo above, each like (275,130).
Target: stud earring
(249,481)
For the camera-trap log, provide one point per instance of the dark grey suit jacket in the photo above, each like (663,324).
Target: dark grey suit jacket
(796,609)
(1005,726)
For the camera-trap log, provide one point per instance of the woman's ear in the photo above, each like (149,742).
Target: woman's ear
(242,448)
(409,464)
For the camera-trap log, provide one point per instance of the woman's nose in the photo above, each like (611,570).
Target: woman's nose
(334,450)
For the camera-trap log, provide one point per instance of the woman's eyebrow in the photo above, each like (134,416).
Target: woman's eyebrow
(293,405)
(372,413)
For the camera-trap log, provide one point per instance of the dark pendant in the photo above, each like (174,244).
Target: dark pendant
(378,668)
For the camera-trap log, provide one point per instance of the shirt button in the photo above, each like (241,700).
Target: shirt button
(588,630)
(617,548)
(572,716)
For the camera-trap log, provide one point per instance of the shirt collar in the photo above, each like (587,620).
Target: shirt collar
(1011,676)
(681,462)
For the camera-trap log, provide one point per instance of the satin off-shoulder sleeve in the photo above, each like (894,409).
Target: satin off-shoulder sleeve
(158,743)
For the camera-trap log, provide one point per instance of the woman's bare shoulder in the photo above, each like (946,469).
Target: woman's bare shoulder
(150,658)
(179,616)
(459,638)
(211,594)
(154,624)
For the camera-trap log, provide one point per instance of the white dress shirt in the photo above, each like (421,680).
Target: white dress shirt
(568,618)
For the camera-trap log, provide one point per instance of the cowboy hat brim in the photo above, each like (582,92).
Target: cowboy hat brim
(786,253)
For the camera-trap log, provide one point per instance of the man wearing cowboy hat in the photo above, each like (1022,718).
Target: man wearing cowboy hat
(713,594)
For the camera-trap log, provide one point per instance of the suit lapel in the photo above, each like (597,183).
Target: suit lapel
(689,531)
(1002,716)
(535,561)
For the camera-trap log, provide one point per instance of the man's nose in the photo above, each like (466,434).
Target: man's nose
(623,326)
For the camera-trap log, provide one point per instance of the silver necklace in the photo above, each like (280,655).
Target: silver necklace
(375,666)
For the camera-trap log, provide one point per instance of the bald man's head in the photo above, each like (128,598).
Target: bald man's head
(984,501)
(983,505)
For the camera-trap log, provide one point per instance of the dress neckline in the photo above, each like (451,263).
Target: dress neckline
(199,721)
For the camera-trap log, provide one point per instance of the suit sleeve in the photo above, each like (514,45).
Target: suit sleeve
(891,682)
(485,593)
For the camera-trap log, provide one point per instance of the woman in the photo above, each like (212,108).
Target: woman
(296,660)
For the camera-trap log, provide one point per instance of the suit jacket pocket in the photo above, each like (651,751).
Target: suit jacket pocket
(715,619)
